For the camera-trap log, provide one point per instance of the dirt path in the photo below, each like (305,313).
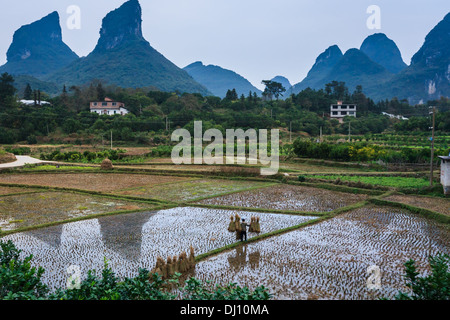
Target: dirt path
(20,162)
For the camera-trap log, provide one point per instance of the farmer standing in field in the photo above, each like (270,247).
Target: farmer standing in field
(244,226)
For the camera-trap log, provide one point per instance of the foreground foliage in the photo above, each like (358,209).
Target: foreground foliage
(20,281)
(435,286)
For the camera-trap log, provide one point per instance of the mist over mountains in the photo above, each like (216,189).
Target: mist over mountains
(123,57)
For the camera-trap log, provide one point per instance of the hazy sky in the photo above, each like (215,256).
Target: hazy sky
(258,39)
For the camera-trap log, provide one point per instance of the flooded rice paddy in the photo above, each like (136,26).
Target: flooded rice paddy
(329,260)
(190,190)
(18,211)
(134,241)
(288,197)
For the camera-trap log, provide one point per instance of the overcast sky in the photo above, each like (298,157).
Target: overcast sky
(258,39)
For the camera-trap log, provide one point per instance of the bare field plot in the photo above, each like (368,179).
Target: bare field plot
(26,210)
(288,197)
(329,260)
(134,241)
(12,190)
(190,190)
(440,205)
(103,182)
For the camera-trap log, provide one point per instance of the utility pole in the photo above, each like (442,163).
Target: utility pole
(320,134)
(167,123)
(111,141)
(290,131)
(432,145)
(349,131)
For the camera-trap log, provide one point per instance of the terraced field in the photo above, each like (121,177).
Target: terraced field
(135,240)
(288,197)
(12,190)
(190,190)
(329,260)
(18,211)
(103,182)
(440,205)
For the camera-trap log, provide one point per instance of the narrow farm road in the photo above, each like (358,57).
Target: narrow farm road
(20,162)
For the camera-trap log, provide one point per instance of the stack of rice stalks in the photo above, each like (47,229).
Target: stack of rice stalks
(180,264)
(255,225)
(238,226)
(232,225)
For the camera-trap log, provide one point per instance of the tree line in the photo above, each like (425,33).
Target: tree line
(153,114)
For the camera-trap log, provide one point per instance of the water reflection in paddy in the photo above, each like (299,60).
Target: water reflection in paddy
(329,260)
(134,241)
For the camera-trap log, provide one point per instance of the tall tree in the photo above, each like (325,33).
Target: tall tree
(101,93)
(273,89)
(28,92)
(7,89)
(231,95)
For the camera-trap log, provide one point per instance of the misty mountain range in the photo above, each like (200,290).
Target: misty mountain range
(124,58)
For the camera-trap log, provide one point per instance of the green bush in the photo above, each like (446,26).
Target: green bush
(19,281)
(435,286)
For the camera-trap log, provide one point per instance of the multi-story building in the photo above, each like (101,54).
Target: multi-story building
(339,111)
(109,107)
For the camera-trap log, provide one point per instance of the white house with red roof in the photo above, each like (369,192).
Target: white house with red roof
(109,107)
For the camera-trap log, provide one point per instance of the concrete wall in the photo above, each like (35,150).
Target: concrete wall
(445,176)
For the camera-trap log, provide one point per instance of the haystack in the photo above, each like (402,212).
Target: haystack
(232,225)
(192,257)
(175,264)
(107,164)
(257,225)
(252,225)
(237,223)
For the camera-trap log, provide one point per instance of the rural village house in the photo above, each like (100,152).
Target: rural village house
(109,107)
(340,110)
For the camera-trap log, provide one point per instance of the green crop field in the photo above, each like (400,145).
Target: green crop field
(396,182)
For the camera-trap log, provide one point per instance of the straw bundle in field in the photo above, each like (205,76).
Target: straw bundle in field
(257,225)
(106,164)
(232,225)
(192,257)
(237,223)
(175,264)
(252,225)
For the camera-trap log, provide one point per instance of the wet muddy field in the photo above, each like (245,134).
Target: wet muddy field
(13,190)
(288,197)
(329,260)
(134,241)
(440,205)
(103,182)
(190,190)
(18,211)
